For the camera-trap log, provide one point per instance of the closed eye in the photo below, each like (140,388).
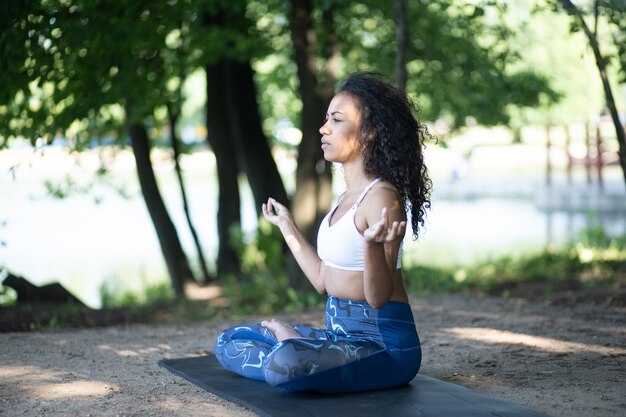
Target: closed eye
(333,115)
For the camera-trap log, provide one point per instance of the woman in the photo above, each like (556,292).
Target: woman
(370,341)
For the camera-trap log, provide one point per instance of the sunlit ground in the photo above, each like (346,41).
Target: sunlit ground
(46,384)
(546,344)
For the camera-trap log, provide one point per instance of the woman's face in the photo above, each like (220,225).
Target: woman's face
(340,131)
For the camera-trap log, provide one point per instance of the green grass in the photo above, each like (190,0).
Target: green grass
(592,260)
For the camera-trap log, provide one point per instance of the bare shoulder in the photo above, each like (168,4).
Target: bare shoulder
(383,191)
(382,195)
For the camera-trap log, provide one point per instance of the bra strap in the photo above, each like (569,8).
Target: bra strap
(369,187)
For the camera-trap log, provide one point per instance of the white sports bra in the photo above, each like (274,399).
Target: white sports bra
(341,245)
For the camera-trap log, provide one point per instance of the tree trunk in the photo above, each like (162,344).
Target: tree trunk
(220,138)
(173,118)
(402,37)
(173,254)
(313,173)
(331,52)
(313,195)
(251,144)
(332,55)
(610,101)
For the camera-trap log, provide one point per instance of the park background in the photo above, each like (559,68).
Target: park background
(510,89)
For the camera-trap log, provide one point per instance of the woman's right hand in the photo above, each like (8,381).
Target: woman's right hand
(304,253)
(275,212)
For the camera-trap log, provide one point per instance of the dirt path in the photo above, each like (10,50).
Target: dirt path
(563,361)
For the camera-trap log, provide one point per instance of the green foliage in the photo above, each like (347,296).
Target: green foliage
(8,296)
(262,252)
(609,14)
(463,60)
(460,62)
(112,296)
(265,293)
(543,38)
(80,68)
(591,259)
(540,267)
(77,65)
(421,279)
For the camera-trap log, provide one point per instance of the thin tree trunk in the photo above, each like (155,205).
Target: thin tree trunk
(173,118)
(610,101)
(220,139)
(171,248)
(402,36)
(251,144)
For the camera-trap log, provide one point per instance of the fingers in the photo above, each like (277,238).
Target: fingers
(396,231)
(268,207)
(274,212)
(379,229)
(272,206)
(376,233)
(266,210)
(392,232)
(382,233)
(384,215)
(277,205)
(401,229)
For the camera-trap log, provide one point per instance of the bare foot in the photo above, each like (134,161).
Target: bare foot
(281,330)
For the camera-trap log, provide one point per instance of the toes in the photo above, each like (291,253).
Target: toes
(273,324)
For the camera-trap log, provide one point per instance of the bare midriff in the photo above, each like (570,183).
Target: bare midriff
(349,284)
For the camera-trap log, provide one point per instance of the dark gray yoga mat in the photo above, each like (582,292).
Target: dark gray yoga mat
(424,396)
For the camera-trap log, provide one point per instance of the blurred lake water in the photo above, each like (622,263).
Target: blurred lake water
(101,232)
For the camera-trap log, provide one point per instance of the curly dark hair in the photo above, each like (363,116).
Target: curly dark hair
(392,140)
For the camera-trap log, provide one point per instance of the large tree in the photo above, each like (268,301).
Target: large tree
(233,119)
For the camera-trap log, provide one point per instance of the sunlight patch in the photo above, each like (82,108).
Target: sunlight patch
(19,371)
(74,389)
(547,344)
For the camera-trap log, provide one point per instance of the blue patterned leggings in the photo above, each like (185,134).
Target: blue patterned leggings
(361,349)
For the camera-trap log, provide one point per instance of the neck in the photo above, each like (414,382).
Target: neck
(355,178)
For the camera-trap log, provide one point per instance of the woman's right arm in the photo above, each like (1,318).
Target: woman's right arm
(303,252)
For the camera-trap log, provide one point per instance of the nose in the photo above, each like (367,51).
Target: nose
(325,129)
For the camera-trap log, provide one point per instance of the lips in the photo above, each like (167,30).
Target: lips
(324,143)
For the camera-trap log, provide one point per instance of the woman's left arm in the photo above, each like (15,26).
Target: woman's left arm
(387,224)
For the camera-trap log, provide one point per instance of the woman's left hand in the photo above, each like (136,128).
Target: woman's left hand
(383,232)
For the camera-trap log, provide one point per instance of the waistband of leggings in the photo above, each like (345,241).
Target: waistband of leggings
(392,310)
